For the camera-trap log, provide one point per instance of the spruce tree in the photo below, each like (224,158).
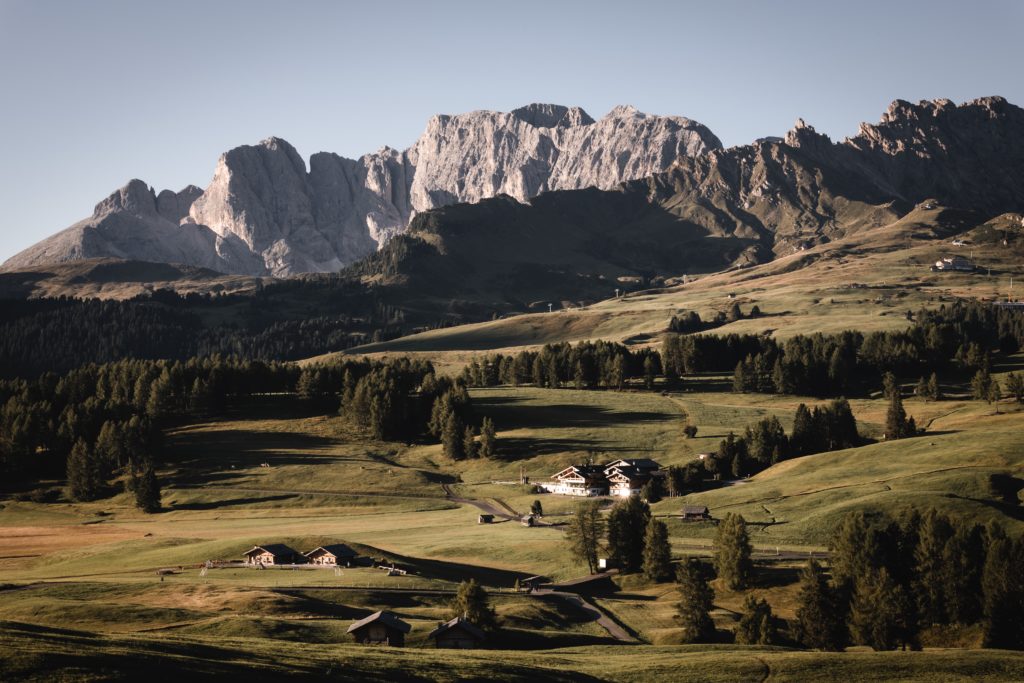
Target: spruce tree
(627,523)
(471,603)
(657,564)
(83,472)
(1003,625)
(878,612)
(895,418)
(696,600)
(536,509)
(584,533)
(147,488)
(452,436)
(469,445)
(732,552)
(488,439)
(757,625)
(933,533)
(980,385)
(934,393)
(820,616)
(803,438)
(1015,386)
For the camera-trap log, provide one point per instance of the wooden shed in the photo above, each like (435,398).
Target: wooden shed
(273,553)
(696,512)
(458,634)
(380,628)
(485,519)
(332,555)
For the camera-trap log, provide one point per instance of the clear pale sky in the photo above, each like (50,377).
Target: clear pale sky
(95,93)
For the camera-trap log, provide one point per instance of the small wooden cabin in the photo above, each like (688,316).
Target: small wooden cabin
(696,512)
(485,519)
(273,553)
(332,555)
(458,634)
(380,628)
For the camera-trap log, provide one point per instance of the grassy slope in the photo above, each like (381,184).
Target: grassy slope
(804,292)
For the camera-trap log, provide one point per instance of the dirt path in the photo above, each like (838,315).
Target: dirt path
(484,506)
(600,617)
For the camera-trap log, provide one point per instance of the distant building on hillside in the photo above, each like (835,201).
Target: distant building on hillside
(273,553)
(332,555)
(380,628)
(621,478)
(627,477)
(958,263)
(696,512)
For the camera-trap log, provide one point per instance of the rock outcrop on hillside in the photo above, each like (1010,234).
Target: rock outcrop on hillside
(265,213)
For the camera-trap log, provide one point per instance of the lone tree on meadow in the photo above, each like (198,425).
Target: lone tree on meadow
(584,533)
(820,622)
(732,552)
(897,426)
(697,599)
(536,509)
(657,552)
(471,603)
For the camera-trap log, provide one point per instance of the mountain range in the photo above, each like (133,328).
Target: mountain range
(264,213)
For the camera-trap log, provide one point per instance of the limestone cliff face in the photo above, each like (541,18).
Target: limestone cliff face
(264,212)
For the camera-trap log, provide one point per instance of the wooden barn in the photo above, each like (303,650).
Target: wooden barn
(332,555)
(273,553)
(458,634)
(380,628)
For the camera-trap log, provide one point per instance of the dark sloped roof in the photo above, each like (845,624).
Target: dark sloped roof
(460,623)
(275,549)
(387,618)
(336,549)
(694,509)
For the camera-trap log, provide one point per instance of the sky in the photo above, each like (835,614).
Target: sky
(95,93)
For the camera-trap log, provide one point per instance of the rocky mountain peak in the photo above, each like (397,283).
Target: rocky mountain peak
(136,198)
(552,116)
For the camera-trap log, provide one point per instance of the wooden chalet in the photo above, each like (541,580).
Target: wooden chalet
(627,477)
(458,634)
(696,512)
(273,553)
(332,555)
(580,480)
(380,628)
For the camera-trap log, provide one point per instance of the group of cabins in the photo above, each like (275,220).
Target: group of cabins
(277,553)
(958,263)
(385,628)
(622,478)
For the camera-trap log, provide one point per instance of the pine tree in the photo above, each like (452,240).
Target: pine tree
(696,600)
(820,618)
(1003,625)
(536,509)
(739,378)
(649,372)
(933,533)
(147,488)
(627,523)
(488,439)
(1015,386)
(921,389)
(934,393)
(995,394)
(584,533)
(471,603)
(83,472)
(980,385)
(657,565)
(452,436)
(895,418)
(469,446)
(757,625)
(732,552)
(803,438)
(878,612)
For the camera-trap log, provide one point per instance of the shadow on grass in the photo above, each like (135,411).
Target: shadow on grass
(514,413)
(213,505)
